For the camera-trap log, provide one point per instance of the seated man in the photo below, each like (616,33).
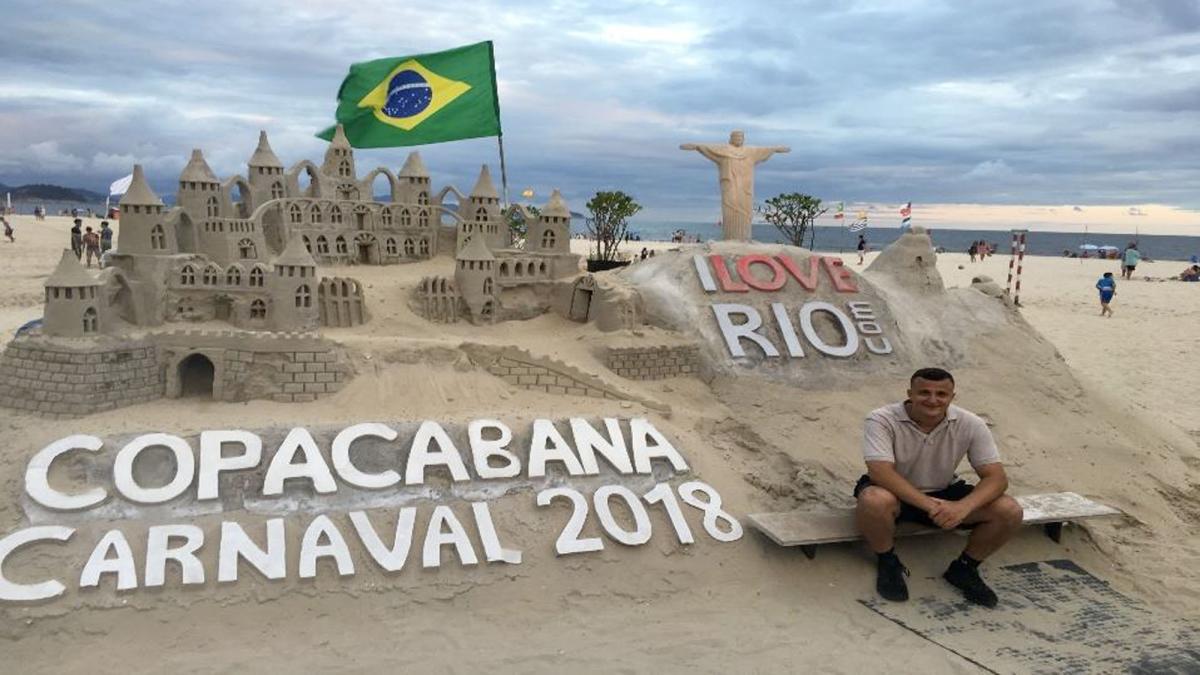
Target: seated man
(911,450)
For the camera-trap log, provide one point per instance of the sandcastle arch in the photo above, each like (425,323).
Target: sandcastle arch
(195,372)
(292,176)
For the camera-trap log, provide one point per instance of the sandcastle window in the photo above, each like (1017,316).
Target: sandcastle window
(423,198)
(335,214)
(542,268)
(481,215)
(344,169)
(187,276)
(409,249)
(487,285)
(424,247)
(423,218)
(68,293)
(303,297)
(89,320)
(322,244)
(340,243)
(256,277)
(314,214)
(276,190)
(158,239)
(258,309)
(307,244)
(386,216)
(548,239)
(390,246)
(233,276)
(211,274)
(503,269)
(295,215)
(405,218)
(246,249)
(214,208)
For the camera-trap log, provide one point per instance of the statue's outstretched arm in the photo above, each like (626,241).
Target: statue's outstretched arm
(689,146)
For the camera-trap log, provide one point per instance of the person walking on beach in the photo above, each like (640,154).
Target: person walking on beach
(912,449)
(1129,260)
(862,248)
(105,236)
(973,250)
(91,242)
(8,230)
(77,238)
(1108,288)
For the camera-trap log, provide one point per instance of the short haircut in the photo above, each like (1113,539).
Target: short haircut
(931,374)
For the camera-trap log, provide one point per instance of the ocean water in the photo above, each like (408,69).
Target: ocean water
(841,240)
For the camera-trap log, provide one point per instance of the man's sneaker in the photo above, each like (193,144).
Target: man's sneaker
(966,579)
(889,578)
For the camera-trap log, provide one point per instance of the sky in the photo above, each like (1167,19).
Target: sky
(990,113)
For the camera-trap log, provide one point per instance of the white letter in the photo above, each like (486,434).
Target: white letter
(435,538)
(37,476)
(492,550)
(346,469)
(885,346)
(702,271)
(788,331)
(313,467)
(311,548)
(806,326)
(185,469)
(641,431)
(99,562)
(157,553)
(272,563)
(732,332)
(482,450)
(391,560)
(212,463)
(10,590)
(419,456)
(549,446)
(588,441)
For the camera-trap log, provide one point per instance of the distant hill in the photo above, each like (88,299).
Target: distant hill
(51,193)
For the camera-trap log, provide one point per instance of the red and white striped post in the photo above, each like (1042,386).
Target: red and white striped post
(1016,260)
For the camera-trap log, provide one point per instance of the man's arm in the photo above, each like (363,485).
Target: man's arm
(884,475)
(993,482)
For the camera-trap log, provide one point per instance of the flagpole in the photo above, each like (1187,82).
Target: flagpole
(503,169)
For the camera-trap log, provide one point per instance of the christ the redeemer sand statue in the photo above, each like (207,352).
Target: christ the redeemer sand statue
(735,164)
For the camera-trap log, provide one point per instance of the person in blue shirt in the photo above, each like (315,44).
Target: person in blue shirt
(1108,288)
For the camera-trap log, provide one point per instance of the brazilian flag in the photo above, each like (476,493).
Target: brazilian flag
(415,100)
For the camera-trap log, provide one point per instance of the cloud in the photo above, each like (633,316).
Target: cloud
(992,168)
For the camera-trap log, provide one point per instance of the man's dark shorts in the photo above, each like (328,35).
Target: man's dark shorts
(910,513)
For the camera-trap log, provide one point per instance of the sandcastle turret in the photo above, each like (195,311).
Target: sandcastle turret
(475,279)
(339,157)
(73,300)
(911,262)
(142,230)
(550,232)
(265,172)
(414,180)
(482,213)
(199,191)
(293,288)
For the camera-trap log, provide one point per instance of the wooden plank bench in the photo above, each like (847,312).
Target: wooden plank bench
(808,529)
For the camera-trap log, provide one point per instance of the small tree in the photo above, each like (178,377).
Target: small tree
(609,223)
(792,214)
(518,217)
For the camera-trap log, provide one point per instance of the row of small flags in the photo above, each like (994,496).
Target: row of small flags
(860,222)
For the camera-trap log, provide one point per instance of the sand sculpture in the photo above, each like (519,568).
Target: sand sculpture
(735,166)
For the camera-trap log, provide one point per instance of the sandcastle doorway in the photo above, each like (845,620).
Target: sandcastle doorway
(196,376)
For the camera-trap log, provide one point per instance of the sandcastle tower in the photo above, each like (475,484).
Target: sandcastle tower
(265,172)
(414,181)
(142,230)
(482,214)
(911,261)
(475,279)
(338,166)
(550,232)
(293,288)
(73,301)
(199,190)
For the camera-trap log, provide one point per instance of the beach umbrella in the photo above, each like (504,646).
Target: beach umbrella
(1108,247)
(1089,247)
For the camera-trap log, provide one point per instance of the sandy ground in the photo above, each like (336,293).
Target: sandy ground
(1101,406)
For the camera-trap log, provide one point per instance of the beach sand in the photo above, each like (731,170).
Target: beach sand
(1103,407)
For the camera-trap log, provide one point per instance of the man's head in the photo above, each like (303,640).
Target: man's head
(1108,275)
(737,138)
(78,221)
(930,390)
(88,229)
(104,224)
